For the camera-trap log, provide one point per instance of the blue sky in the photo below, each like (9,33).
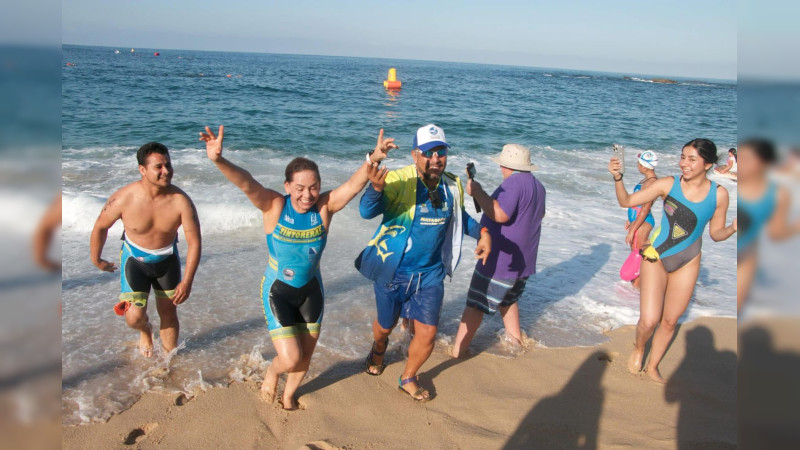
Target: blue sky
(678,38)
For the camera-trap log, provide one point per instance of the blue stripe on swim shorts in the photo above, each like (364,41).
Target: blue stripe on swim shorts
(488,294)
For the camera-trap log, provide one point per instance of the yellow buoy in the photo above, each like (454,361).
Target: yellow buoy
(391,81)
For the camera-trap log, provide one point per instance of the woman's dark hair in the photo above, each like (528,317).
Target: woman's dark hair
(764,149)
(149,148)
(705,148)
(733,152)
(300,164)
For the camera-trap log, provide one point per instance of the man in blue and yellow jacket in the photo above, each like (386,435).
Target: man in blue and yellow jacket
(417,243)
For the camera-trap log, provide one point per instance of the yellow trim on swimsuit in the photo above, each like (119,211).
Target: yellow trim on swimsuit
(136,298)
(295,330)
(164,294)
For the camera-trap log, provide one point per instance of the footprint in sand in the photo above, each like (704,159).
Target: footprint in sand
(608,357)
(181,400)
(138,434)
(319,445)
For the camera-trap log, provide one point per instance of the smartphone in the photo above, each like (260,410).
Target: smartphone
(471,170)
(619,152)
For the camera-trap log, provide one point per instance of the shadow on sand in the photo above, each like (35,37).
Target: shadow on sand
(570,418)
(701,381)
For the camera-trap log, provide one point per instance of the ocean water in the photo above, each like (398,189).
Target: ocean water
(276,107)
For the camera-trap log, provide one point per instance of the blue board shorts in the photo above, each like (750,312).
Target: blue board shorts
(414,296)
(488,294)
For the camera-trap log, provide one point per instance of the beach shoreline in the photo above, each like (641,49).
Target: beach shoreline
(547,397)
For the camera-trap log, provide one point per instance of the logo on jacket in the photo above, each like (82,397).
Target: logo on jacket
(379,242)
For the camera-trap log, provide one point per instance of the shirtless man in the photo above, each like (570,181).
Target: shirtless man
(152,210)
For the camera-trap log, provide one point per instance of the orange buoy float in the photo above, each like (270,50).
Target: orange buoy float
(156,54)
(391,81)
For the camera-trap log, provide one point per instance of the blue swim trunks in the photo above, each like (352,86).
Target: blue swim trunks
(417,296)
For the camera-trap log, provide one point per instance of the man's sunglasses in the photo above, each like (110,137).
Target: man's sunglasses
(428,154)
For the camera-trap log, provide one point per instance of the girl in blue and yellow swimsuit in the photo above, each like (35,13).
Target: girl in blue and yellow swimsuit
(672,262)
(296,225)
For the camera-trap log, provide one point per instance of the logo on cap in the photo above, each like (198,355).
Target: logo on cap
(433,131)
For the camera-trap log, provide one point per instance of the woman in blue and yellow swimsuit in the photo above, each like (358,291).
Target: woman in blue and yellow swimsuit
(296,225)
(672,262)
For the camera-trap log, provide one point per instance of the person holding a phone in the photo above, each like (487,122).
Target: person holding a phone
(513,215)
(671,263)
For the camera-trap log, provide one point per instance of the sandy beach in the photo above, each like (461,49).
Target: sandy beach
(546,398)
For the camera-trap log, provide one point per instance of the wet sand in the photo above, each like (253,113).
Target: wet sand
(545,398)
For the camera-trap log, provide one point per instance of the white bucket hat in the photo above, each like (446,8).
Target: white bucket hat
(516,157)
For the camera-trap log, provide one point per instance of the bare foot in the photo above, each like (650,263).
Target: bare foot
(453,351)
(655,375)
(289,404)
(269,387)
(514,341)
(635,361)
(146,342)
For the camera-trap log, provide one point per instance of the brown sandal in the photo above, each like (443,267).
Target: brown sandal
(369,363)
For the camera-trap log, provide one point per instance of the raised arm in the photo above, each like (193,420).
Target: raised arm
(112,211)
(491,207)
(191,230)
(260,196)
(716,226)
(338,198)
(779,227)
(659,188)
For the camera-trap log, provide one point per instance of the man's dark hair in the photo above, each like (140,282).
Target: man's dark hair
(149,148)
(300,164)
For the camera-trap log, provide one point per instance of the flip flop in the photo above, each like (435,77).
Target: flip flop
(418,395)
(369,363)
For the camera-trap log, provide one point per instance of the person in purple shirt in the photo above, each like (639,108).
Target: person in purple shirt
(513,215)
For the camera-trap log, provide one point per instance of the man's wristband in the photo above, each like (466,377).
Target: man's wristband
(484,229)
(618,179)
(369,160)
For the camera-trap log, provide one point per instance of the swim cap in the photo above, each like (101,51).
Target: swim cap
(648,159)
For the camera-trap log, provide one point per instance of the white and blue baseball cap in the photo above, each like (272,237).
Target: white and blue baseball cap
(428,137)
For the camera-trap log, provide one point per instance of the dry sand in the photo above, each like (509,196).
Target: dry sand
(546,398)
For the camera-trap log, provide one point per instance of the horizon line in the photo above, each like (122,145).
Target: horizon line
(733,81)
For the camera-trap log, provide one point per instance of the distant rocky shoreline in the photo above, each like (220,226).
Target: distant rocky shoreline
(654,80)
